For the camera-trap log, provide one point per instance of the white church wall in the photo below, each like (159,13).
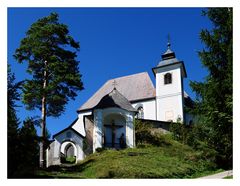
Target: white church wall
(149,108)
(169,109)
(50,159)
(130,134)
(169,97)
(60,144)
(174,87)
(79,125)
(97,130)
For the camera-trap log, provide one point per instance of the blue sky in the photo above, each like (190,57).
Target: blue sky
(115,42)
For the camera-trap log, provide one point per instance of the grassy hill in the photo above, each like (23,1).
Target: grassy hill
(171,159)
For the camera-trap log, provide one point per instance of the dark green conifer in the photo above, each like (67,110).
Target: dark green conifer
(214,101)
(12,122)
(51,55)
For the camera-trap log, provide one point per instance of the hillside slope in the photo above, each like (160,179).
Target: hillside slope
(170,160)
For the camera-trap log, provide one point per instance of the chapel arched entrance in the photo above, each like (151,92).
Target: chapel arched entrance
(114,131)
(68,152)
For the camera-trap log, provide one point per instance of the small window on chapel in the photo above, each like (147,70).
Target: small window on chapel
(167,78)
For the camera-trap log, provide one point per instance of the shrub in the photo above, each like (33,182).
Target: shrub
(144,135)
(99,149)
(196,137)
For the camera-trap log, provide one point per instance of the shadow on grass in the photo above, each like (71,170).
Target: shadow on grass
(80,167)
(63,171)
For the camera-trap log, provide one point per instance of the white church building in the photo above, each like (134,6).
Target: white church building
(107,118)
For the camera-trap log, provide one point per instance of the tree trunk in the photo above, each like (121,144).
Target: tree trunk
(42,156)
(43,132)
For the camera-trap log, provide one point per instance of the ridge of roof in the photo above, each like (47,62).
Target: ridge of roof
(68,128)
(115,99)
(141,88)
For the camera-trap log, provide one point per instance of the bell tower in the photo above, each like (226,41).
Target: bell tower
(169,74)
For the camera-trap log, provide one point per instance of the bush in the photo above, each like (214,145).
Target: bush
(181,132)
(144,135)
(195,136)
(99,149)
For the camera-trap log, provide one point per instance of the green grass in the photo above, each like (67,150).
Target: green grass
(171,160)
(228,177)
(71,159)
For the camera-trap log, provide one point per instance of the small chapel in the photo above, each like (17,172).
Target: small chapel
(106,119)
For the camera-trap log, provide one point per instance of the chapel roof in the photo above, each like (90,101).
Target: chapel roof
(133,87)
(69,128)
(115,99)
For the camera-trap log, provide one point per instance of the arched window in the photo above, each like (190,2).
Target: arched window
(140,114)
(167,78)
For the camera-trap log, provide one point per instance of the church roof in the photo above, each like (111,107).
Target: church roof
(133,87)
(69,128)
(115,99)
(167,62)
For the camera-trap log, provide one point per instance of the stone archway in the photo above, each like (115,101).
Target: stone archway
(68,152)
(114,131)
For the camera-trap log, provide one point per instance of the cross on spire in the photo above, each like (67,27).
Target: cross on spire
(169,54)
(114,84)
(168,44)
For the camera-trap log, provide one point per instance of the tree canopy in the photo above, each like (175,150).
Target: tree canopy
(47,49)
(51,53)
(214,95)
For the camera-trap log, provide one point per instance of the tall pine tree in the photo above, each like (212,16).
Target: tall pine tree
(214,102)
(13,122)
(51,55)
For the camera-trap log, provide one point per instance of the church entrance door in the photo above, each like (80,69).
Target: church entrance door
(68,152)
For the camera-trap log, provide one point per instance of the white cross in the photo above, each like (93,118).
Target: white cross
(114,83)
(168,44)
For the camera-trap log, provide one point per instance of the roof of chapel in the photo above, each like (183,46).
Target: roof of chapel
(115,99)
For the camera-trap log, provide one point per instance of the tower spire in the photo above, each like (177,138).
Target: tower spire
(169,54)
